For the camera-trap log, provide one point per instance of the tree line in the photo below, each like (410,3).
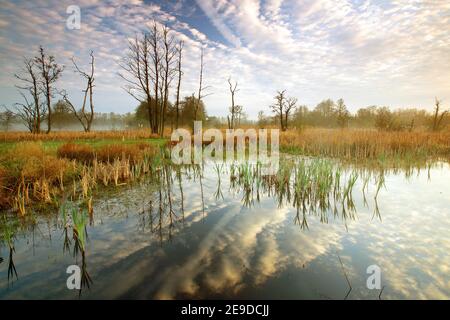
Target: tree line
(331,114)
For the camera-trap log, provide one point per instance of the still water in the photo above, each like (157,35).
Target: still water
(209,233)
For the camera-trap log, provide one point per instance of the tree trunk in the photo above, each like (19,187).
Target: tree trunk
(49,110)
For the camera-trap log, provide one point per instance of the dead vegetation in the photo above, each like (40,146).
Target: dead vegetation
(31,174)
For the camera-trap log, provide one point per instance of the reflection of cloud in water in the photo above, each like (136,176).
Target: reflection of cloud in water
(229,250)
(412,244)
(244,244)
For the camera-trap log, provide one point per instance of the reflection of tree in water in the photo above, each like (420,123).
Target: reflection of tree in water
(164,208)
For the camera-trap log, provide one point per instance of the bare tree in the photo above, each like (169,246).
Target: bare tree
(201,89)
(168,72)
(291,105)
(85,117)
(437,118)
(233,110)
(30,83)
(137,74)
(278,107)
(155,54)
(50,72)
(27,113)
(179,49)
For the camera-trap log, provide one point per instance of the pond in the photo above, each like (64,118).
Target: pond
(225,231)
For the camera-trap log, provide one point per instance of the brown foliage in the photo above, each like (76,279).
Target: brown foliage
(80,152)
(133,153)
(71,135)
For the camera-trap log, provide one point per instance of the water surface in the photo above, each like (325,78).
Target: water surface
(193,235)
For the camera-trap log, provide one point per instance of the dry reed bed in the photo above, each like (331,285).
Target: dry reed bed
(29,174)
(357,144)
(76,135)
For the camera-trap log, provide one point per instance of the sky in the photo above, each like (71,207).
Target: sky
(387,53)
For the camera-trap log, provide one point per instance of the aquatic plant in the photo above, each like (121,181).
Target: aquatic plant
(79,223)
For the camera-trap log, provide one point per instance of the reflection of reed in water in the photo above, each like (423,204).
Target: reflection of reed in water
(8,233)
(80,220)
(317,187)
(218,195)
(77,221)
(314,187)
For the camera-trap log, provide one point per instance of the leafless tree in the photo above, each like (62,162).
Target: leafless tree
(437,118)
(168,72)
(279,106)
(154,38)
(137,74)
(27,113)
(85,117)
(179,49)
(233,109)
(291,105)
(50,72)
(201,89)
(30,84)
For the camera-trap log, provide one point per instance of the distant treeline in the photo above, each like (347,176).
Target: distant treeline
(328,114)
(324,115)
(63,117)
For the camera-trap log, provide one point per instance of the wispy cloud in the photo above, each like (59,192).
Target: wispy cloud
(368,52)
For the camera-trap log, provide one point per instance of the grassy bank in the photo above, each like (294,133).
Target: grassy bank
(39,172)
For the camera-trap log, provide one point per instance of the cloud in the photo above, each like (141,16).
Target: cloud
(211,12)
(387,53)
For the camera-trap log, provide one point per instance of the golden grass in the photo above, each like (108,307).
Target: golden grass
(30,174)
(76,135)
(79,152)
(133,153)
(107,153)
(359,144)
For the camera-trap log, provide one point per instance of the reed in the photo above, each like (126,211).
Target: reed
(29,167)
(316,186)
(359,144)
(76,135)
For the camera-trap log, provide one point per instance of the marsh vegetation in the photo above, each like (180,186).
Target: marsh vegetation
(227,222)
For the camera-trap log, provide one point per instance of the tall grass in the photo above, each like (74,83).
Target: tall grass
(359,144)
(30,174)
(76,135)
(312,186)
